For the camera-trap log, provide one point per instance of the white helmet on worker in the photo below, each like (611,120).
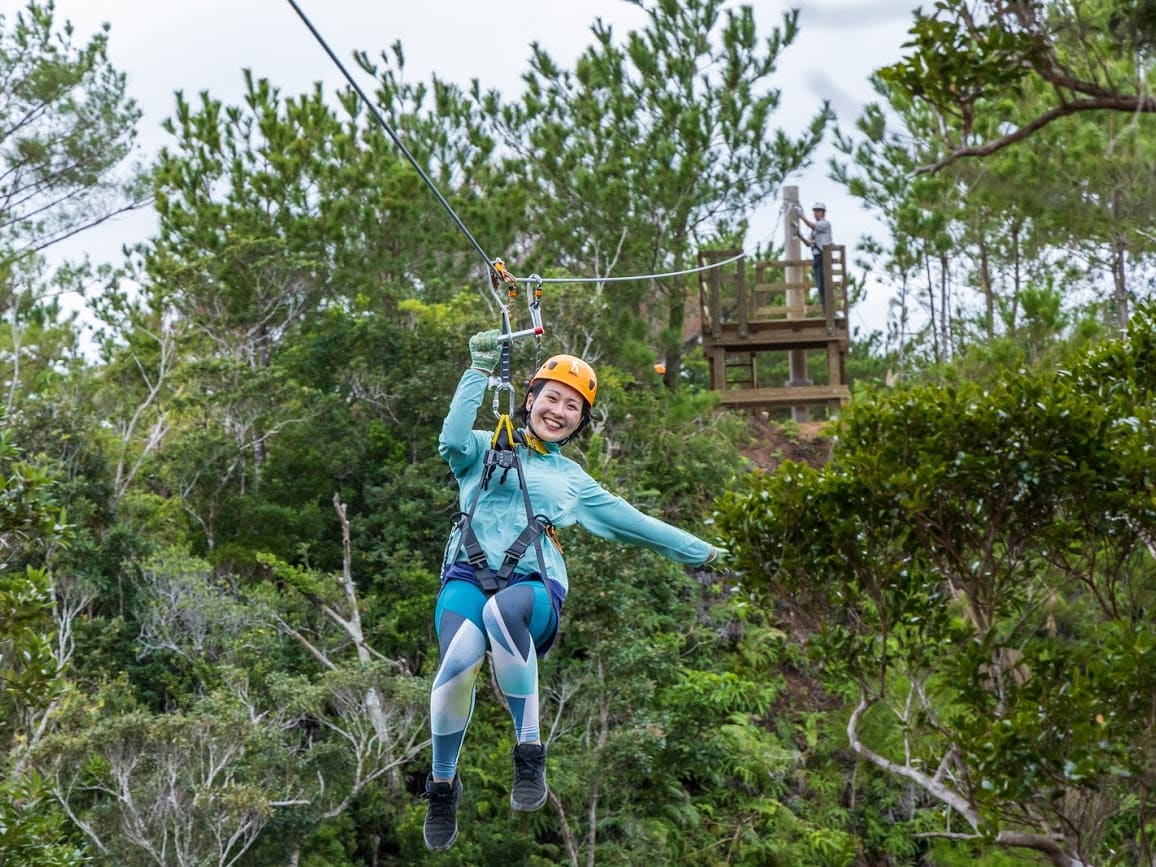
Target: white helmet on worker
(819,206)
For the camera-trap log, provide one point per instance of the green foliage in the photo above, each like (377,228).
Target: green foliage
(789,428)
(977,560)
(966,59)
(295,330)
(956,63)
(66,124)
(244,754)
(212,807)
(33,831)
(30,525)
(28,667)
(688,100)
(668,447)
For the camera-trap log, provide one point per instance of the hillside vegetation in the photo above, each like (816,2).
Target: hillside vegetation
(223,512)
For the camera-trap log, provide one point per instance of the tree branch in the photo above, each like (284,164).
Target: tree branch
(1118,102)
(936,787)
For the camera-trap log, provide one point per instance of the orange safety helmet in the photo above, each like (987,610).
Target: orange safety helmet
(572,371)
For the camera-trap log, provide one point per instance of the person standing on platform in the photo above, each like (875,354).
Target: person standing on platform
(820,237)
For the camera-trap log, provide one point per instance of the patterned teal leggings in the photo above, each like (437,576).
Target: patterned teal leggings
(512,624)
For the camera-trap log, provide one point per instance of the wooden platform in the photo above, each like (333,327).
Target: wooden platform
(744,321)
(779,334)
(773,398)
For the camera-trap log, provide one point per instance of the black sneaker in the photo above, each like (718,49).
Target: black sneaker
(441,816)
(529,789)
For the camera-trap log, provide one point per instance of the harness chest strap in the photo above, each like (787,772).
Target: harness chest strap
(502,453)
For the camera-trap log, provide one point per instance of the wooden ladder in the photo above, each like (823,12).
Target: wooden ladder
(740,370)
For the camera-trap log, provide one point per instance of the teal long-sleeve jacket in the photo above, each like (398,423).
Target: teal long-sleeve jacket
(559,489)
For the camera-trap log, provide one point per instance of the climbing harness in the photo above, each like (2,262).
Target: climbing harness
(503,451)
(502,454)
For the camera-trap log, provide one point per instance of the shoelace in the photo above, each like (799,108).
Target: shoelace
(441,804)
(528,767)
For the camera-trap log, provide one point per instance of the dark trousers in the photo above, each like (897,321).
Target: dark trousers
(817,268)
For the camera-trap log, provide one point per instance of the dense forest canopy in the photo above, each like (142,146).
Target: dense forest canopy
(222,509)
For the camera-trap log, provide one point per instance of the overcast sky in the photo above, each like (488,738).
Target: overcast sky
(195,45)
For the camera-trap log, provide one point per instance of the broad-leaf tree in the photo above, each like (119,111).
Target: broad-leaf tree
(978,561)
(972,60)
(32,828)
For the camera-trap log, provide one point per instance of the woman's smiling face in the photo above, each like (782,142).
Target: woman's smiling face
(555,411)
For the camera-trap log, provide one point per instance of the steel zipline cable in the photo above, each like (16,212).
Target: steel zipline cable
(396,140)
(494,267)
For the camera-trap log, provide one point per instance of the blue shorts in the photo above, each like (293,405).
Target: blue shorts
(462,594)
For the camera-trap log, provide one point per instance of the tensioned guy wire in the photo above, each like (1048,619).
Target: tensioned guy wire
(640,276)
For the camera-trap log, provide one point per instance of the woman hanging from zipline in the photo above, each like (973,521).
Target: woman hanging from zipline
(491,598)
(504,579)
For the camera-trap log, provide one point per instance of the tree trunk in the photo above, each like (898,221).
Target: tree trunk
(988,292)
(352,623)
(932,320)
(945,304)
(1119,283)
(1016,264)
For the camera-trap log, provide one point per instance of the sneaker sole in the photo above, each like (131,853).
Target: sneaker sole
(447,845)
(528,808)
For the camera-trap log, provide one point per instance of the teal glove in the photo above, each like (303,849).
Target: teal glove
(485,350)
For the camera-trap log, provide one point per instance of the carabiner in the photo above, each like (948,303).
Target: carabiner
(534,301)
(513,399)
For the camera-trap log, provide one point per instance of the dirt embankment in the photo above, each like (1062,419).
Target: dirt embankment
(774,442)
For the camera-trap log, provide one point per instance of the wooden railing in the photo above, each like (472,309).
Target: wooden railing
(773,306)
(729,295)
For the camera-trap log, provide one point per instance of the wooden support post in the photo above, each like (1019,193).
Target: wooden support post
(741,291)
(796,296)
